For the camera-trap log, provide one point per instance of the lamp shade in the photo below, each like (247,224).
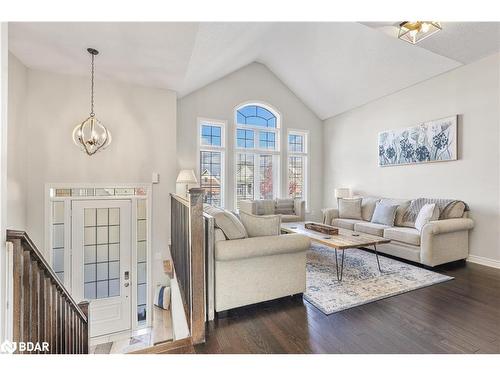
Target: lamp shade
(187,176)
(342,193)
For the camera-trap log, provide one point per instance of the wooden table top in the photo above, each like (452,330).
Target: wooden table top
(344,240)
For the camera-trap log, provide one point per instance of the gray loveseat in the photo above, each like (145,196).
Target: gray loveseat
(440,241)
(291,210)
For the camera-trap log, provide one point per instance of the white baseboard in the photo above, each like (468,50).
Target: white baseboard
(484,261)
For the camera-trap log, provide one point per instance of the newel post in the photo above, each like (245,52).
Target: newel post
(84,306)
(197,265)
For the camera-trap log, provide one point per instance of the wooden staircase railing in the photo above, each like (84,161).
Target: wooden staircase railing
(43,309)
(188,255)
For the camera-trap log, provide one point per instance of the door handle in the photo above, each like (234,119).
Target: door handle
(126,284)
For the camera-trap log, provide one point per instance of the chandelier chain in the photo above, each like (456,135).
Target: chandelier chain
(92,88)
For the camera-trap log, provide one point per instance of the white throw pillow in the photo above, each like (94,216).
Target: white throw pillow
(429,212)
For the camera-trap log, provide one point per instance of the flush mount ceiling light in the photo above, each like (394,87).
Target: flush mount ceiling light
(416,31)
(91,135)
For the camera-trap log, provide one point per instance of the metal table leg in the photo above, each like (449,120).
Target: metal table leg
(339,275)
(376,254)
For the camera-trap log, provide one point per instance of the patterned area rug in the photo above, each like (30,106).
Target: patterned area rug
(362,282)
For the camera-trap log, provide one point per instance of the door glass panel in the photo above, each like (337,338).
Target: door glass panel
(142,246)
(102,253)
(102,265)
(114,251)
(102,216)
(89,254)
(58,238)
(114,234)
(114,288)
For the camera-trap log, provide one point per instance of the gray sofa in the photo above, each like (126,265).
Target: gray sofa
(253,262)
(291,210)
(439,241)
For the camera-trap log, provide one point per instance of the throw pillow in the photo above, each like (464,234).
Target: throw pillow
(428,212)
(403,205)
(162,297)
(368,207)
(284,206)
(260,226)
(350,208)
(453,210)
(225,220)
(265,207)
(384,214)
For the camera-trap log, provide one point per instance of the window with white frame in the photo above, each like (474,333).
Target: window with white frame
(297,164)
(212,147)
(257,155)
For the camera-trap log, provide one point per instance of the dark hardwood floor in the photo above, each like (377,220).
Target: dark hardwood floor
(458,316)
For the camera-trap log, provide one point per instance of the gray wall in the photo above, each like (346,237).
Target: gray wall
(143,125)
(16,164)
(218,100)
(472,91)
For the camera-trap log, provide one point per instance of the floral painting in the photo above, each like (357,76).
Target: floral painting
(428,142)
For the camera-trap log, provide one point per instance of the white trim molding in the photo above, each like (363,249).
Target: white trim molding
(484,261)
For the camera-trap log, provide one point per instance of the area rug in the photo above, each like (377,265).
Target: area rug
(362,282)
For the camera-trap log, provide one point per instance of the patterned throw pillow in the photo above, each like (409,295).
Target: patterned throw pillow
(284,206)
(349,208)
(384,214)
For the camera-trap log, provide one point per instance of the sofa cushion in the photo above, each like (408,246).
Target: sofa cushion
(384,214)
(264,207)
(429,212)
(407,235)
(289,218)
(454,210)
(259,226)
(284,206)
(228,222)
(371,228)
(345,223)
(261,246)
(367,207)
(349,208)
(403,205)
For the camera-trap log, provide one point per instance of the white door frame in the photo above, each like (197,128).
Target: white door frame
(149,204)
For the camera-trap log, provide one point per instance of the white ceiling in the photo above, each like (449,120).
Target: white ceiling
(332,67)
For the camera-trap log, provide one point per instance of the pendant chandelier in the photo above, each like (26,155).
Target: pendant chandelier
(91,135)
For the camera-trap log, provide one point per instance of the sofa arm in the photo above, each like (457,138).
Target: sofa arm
(447,226)
(329,214)
(248,206)
(445,241)
(261,246)
(299,207)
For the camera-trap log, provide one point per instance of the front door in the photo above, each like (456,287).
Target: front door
(101,246)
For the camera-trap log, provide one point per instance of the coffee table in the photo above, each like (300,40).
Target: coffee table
(346,239)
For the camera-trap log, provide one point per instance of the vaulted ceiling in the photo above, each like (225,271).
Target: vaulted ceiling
(331,67)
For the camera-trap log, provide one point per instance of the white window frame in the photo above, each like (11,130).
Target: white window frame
(257,150)
(305,155)
(222,149)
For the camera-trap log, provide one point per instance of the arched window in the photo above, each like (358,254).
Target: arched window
(257,156)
